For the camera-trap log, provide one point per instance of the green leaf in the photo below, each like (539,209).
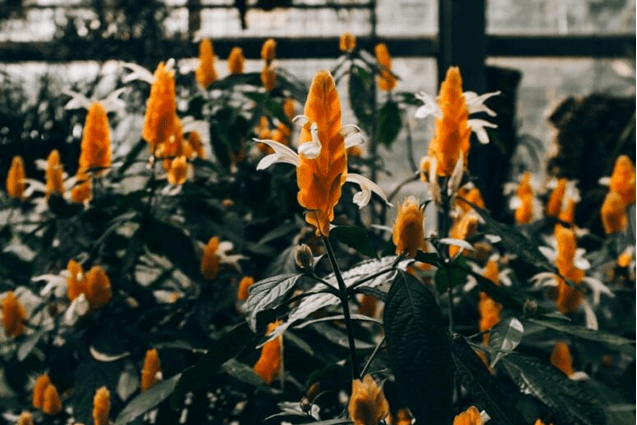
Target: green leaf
(147,400)
(30,342)
(514,241)
(171,241)
(448,277)
(483,386)
(222,350)
(625,344)
(243,373)
(571,402)
(273,107)
(505,336)
(354,237)
(419,351)
(389,123)
(361,83)
(428,257)
(268,293)
(63,209)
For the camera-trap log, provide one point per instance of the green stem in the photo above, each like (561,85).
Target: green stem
(371,358)
(344,303)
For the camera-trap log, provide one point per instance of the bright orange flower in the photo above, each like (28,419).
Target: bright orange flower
(554,204)
(96,141)
(244,288)
(282,134)
(54,174)
(16,179)
(367,405)
(178,172)
(268,50)
(13,315)
(613,213)
(25,418)
(268,78)
(195,142)
(347,42)
(561,358)
(409,228)
(75,282)
(289,108)
(101,406)
(236,61)
(82,192)
(386,80)
(161,108)
(471,416)
(624,258)
(41,383)
(403,417)
(463,228)
(205,72)
(622,180)
(51,404)
(539,422)
(524,187)
(151,371)
(567,215)
(568,298)
(491,271)
(270,362)
(210,261)
(566,250)
(98,287)
(524,213)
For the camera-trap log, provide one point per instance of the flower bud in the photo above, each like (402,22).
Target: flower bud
(303,257)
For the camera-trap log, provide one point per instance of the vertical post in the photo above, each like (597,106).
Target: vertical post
(194,17)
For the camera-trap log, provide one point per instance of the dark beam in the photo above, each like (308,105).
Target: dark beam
(593,46)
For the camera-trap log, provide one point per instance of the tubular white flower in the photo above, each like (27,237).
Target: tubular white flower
(281,154)
(475,102)
(367,186)
(597,288)
(478,127)
(79,307)
(456,176)
(353,135)
(312,149)
(430,106)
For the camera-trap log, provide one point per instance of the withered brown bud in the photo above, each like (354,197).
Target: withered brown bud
(303,257)
(530,307)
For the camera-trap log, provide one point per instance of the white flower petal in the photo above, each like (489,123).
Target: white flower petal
(544,279)
(367,186)
(456,176)
(430,106)
(225,246)
(311,150)
(478,127)
(139,73)
(492,238)
(582,263)
(300,120)
(476,104)
(281,154)
(78,100)
(79,307)
(598,288)
(549,253)
(604,181)
(353,135)
(591,319)
(456,242)
(515,203)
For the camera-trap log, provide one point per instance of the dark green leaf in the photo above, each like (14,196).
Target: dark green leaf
(427,257)
(222,350)
(419,351)
(283,263)
(571,402)
(243,373)
(147,401)
(354,237)
(169,240)
(389,123)
(63,209)
(361,83)
(483,386)
(273,107)
(29,343)
(451,276)
(626,345)
(505,336)
(268,293)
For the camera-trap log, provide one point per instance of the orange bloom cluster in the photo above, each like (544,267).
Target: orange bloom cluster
(54,174)
(161,108)
(386,80)
(101,406)
(568,298)
(270,362)
(151,373)
(367,405)
(268,75)
(554,204)
(45,396)
(205,72)
(236,61)
(347,42)
(524,213)
(210,260)
(244,288)
(409,228)
(289,108)
(621,194)
(16,179)
(13,315)
(561,358)
(25,418)
(403,417)
(488,308)
(95,148)
(452,132)
(95,285)
(471,416)
(320,179)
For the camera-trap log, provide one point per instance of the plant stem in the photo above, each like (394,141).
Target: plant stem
(344,303)
(371,358)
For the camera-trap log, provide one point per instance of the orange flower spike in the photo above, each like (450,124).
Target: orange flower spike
(622,180)
(320,179)
(568,298)
(54,174)
(236,61)
(13,315)
(386,81)
(567,215)
(613,213)
(524,213)
(554,204)
(95,147)
(75,282)
(471,416)
(268,50)
(475,197)
(409,228)
(367,405)
(347,42)
(463,228)
(491,272)
(151,371)
(51,404)
(210,260)
(16,183)
(101,406)
(195,142)
(268,78)
(25,418)
(244,288)
(289,108)
(82,192)
(561,358)
(98,287)
(524,187)
(566,249)
(161,108)
(270,362)
(178,172)
(452,131)
(41,383)
(205,72)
